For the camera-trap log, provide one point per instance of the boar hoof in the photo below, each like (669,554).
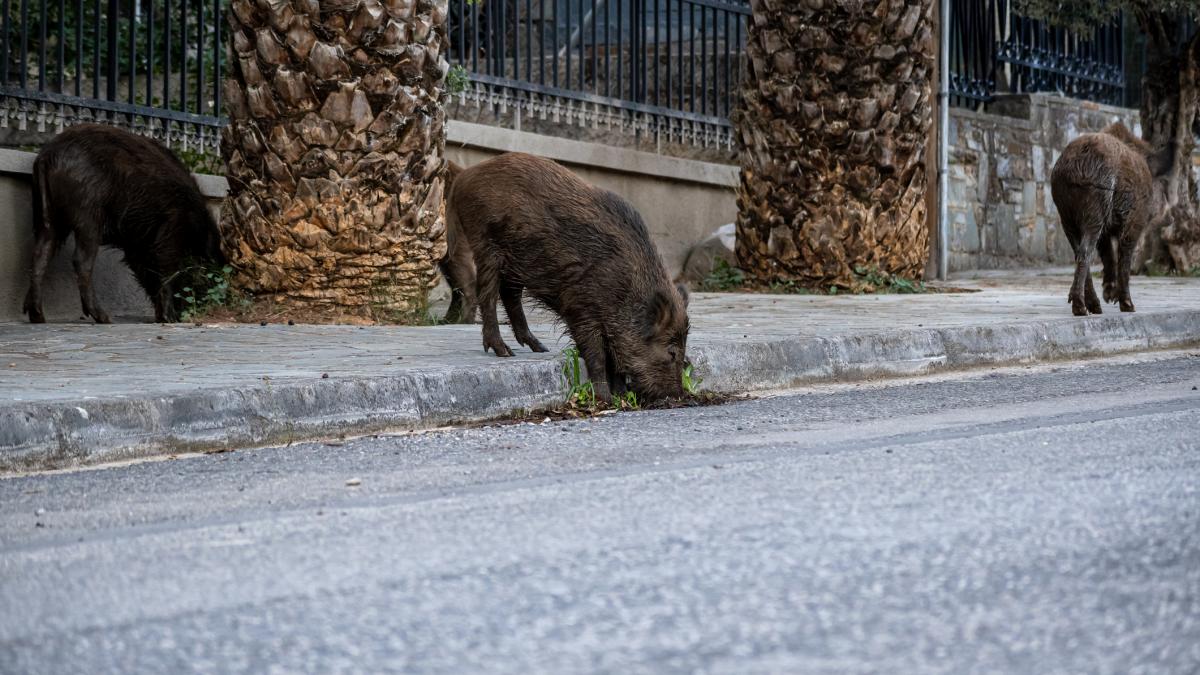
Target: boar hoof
(35,315)
(1110,293)
(1093,306)
(1078,308)
(33,310)
(499,347)
(1127,306)
(101,316)
(535,345)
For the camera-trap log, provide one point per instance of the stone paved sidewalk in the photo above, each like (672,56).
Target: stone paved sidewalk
(76,392)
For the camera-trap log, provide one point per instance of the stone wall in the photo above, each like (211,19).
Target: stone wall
(681,200)
(1000,209)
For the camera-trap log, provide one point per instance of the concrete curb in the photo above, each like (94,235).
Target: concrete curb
(57,434)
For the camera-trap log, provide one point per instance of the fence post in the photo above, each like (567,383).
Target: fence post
(111,48)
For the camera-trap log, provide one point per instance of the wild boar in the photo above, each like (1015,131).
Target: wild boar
(113,188)
(1108,187)
(459,264)
(585,254)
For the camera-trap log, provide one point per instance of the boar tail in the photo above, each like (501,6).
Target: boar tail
(41,207)
(452,171)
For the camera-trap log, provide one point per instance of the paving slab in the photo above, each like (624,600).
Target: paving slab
(74,393)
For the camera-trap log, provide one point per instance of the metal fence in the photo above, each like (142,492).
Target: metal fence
(994,50)
(665,68)
(668,69)
(662,69)
(151,65)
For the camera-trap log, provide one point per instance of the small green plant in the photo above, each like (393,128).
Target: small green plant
(382,305)
(1156,269)
(580,392)
(627,401)
(207,289)
(691,382)
(874,279)
(787,287)
(723,277)
(198,161)
(456,80)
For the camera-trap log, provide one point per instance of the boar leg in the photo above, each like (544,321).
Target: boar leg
(87,246)
(45,244)
(616,379)
(510,294)
(1083,265)
(43,250)
(1124,262)
(1109,259)
(454,311)
(591,349)
(1090,299)
(160,294)
(459,271)
(487,290)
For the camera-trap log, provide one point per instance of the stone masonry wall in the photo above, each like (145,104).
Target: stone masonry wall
(1000,209)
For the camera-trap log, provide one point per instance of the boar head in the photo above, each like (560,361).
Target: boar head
(652,352)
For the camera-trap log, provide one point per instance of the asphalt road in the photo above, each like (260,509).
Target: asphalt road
(1042,520)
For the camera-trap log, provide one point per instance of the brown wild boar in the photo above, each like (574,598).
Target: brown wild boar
(585,254)
(113,188)
(1108,187)
(459,264)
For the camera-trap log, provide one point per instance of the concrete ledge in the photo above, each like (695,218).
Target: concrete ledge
(56,434)
(19,162)
(497,139)
(47,435)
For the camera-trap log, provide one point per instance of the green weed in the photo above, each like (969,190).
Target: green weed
(580,392)
(1156,269)
(456,80)
(381,306)
(198,161)
(723,277)
(872,279)
(788,287)
(627,402)
(207,289)
(691,382)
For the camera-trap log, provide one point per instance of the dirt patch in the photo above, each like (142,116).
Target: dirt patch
(574,412)
(951,289)
(265,311)
(763,289)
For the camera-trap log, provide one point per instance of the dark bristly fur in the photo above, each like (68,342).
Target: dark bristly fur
(1107,189)
(113,188)
(585,254)
(459,264)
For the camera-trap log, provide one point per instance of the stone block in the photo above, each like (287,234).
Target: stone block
(1038,160)
(1003,225)
(1029,199)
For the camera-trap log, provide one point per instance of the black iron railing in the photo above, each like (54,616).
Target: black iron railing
(664,68)
(668,69)
(994,50)
(153,65)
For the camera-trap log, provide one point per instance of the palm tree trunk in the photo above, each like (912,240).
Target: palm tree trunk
(334,151)
(1171,109)
(836,112)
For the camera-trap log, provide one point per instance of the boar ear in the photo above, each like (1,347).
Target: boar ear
(683,293)
(659,315)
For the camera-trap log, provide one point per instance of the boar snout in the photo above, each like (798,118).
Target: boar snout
(655,365)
